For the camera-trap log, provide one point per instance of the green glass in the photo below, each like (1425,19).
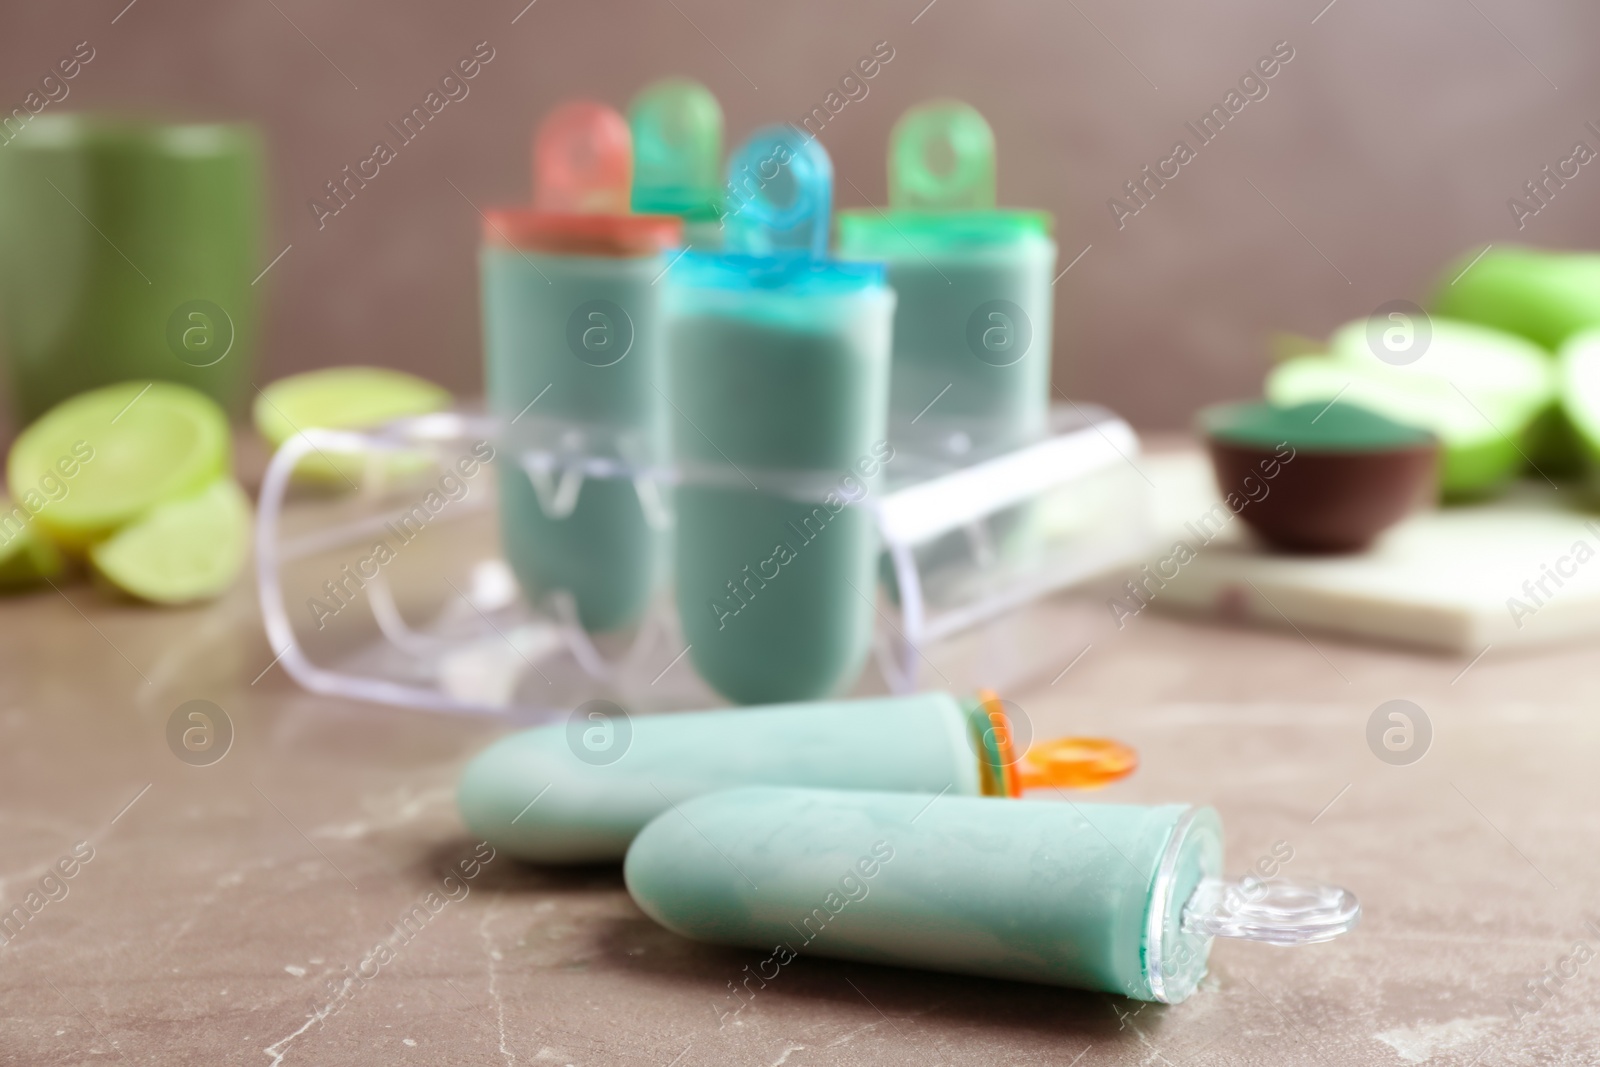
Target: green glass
(128,250)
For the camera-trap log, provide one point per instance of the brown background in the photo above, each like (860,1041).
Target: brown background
(1392,141)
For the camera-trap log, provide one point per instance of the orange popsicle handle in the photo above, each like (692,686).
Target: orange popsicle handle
(1077,763)
(1064,763)
(583,160)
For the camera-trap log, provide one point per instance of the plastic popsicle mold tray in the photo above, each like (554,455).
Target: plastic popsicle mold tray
(396,592)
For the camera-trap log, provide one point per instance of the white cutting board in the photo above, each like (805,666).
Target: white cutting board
(1441,579)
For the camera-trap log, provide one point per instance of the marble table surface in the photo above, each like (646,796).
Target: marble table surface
(213,912)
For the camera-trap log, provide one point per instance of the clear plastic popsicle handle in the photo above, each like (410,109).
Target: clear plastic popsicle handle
(780,195)
(1276,911)
(583,161)
(677,147)
(941,158)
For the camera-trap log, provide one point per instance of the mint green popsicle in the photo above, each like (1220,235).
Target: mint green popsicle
(974,319)
(572,350)
(1089,896)
(604,551)
(779,368)
(600,780)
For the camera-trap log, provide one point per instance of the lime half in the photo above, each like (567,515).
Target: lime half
(342,398)
(26,557)
(183,550)
(102,459)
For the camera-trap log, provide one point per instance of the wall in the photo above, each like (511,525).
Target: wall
(1389,143)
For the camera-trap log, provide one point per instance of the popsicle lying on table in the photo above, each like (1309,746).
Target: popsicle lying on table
(578,792)
(1119,898)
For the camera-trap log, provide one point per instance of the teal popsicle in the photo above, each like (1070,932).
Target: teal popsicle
(677,153)
(578,792)
(572,347)
(779,367)
(1112,897)
(974,319)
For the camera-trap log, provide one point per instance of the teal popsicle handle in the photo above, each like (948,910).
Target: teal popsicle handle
(677,151)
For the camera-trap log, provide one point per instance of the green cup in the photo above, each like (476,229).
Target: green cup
(128,250)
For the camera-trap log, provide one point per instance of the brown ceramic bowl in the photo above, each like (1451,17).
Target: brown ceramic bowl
(1327,490)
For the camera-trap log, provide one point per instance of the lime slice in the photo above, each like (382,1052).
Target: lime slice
(26,556)
(1479,390)
(183,550)
(342,398)
(105,457)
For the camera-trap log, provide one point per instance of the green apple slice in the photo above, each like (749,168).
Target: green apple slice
(1541,294)
(1478,390)
(1579,369)
(102,459)
(26,556)
(182,551)
(343,398)
(1544,295)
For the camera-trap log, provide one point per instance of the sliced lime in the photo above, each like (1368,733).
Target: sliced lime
(1479,390)
(105,457)
(341,398)
(183,550)
(26,556)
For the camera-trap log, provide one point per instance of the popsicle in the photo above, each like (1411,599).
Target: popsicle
(572,346)
(779,370)
(677,153)
(973,325)
(579,792)
(1119,898)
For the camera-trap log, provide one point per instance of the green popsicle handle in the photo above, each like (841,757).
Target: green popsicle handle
(942,158)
